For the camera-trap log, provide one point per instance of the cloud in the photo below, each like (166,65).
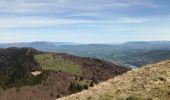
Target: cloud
(37,13)
(57,7)
(41,13)
(84,20)
(36,22)
(16,22)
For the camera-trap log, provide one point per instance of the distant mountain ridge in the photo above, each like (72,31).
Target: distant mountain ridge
(129,54)
(131,45)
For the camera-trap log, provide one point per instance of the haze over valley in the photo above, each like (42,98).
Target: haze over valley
(84,49)
(129,54)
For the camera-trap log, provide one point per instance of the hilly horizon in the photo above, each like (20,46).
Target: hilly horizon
(84,49)
(129,54)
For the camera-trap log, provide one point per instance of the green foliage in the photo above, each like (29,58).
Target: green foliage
(10,82)
(56,63)
(85,86)
(91,84)
(16,66)
(77,86)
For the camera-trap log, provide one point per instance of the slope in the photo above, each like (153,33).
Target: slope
(151,82)
(28,74)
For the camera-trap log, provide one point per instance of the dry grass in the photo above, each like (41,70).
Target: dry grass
(151,82)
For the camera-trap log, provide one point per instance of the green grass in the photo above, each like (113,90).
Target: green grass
(56,63)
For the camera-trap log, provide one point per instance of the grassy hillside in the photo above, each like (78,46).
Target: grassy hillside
(151,82)
(56,63)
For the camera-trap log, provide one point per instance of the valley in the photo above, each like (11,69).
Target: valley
(96,70)
(129,54)
(84,49)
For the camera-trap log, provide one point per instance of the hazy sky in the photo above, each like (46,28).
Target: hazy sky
(87,21)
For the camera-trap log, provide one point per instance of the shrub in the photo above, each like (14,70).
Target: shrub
(91,84)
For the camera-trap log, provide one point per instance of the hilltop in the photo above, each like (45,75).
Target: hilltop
(29,74)
(151,82)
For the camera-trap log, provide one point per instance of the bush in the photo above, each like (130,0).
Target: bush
(85,86)
(75,87)
(91,84)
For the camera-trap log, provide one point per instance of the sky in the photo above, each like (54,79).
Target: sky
(84,21)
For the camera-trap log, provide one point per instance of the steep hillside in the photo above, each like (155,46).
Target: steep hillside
(28,74)
(16,66)
(151,82)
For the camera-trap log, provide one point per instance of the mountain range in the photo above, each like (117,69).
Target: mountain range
(129,54)
(56,70)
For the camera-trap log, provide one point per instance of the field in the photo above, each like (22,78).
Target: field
(56,63)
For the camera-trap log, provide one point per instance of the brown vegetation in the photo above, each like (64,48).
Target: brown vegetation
(50,84)
(151,82)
